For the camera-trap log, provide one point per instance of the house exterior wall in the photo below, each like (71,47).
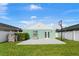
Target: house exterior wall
(41,33)
(70,35)
(3,36)
(67,35)
(76,35)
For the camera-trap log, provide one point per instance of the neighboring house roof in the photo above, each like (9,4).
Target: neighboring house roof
(39,26)
(7,27)
(70,28)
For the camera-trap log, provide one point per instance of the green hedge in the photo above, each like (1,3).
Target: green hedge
(22,36)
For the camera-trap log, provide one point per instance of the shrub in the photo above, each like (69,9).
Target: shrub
(22,36)
(27,36)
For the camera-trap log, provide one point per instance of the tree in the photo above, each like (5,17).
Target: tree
(60,24)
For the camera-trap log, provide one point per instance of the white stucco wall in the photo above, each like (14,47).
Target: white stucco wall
(71,35)
(68,35)
(76,35)
(3,36)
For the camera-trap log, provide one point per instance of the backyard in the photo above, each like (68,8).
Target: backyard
(71,48)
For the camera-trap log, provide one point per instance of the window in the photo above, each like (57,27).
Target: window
(35,32)
(45,34)
(48,34)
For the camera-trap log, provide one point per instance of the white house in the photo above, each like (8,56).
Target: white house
(70,33)
(40,31)
(5,30)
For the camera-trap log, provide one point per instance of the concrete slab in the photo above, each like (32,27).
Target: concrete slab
(40,41)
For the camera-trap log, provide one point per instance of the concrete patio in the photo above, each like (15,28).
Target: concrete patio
(40,41)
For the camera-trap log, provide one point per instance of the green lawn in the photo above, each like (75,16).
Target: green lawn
(71,48)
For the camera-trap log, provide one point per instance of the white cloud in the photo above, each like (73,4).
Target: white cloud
(4,17)
(32,22)
(33,17)
(70,20)
(47,17)
(27,22)
(3,8)
(51,24)
(3,3)
(34,7)
(71,11)
(54,26)
(3,11)
(44,20)
(67,24)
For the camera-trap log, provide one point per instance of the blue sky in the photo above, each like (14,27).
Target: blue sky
(26,14)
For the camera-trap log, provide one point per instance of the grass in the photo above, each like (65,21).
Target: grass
(71,48)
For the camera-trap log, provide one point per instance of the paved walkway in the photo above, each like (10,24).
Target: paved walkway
(40,41)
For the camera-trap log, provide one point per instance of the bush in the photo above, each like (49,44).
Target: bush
(27,36)
(22,36)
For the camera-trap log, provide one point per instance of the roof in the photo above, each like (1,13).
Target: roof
(70,28)
(39,26)
(8,27)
